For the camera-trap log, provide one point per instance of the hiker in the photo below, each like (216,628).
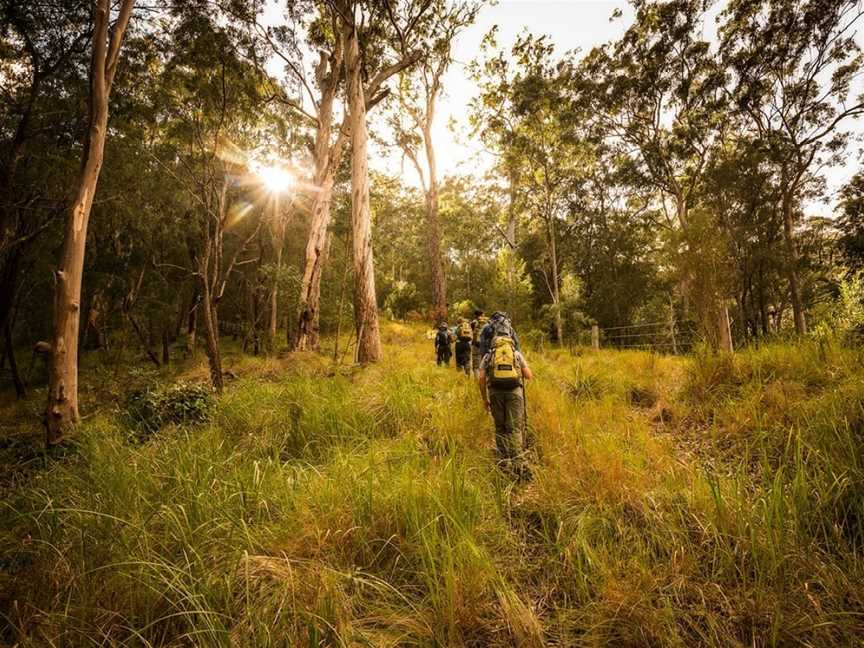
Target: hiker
(498,324)
(501,380)
(463,335)
(477,325)
(442,345)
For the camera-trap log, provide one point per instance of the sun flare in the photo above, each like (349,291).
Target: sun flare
(276,178)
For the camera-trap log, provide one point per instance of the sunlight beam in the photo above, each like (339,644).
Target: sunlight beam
(275,177)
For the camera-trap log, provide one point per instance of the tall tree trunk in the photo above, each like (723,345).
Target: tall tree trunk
(327,159)
(278,244)
(365,302)
(724,328)
(763,305)
(792,263)
(341,303)
(211,327)
(714,315)
(327,156)
(166,345)
(307,335)
(510,240)
(273,327)
(20,388)
(433,224)
(556,281)
(62,408)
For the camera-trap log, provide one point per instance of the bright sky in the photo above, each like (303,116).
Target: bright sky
(571,25)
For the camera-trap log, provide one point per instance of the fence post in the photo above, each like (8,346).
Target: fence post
(595,336)
(672,325)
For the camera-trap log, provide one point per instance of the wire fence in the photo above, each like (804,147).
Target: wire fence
(664,337)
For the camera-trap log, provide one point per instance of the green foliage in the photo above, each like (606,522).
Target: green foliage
(149,409)
(401,299)
(850,305)
(851,221)
(840,310)
(464,308)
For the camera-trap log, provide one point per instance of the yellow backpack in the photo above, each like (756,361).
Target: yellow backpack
(503,371)
(464,331)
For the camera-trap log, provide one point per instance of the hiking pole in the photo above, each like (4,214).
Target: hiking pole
(527,443)
(524,415)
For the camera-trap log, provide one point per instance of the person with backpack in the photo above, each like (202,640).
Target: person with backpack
(501,378)
(463,346)
(442,345)
(477,325)
(498,325)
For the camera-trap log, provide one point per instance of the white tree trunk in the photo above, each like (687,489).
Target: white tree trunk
(62,407)
(327,158)
(365,302)
(433,225)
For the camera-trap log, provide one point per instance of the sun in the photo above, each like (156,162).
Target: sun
(275,177)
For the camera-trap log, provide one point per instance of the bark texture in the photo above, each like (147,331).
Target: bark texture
(278,235)
(365,301)
(327,155)
(792,265)
(62,408)
(433,223)
(555,288)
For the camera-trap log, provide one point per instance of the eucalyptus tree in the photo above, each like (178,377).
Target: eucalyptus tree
(745,200)
(419,91)
(313,92)
(611,239)
(492,120)
(277,228)
(388,30)
(535,126)
(313,95)
(107,38)
(212,113)
(470,209)
(658,95)
(400,251)
(795,63)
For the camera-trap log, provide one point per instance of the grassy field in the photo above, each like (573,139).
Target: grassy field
(676,502)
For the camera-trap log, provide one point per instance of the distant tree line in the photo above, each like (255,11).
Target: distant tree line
(662,175)
(672,165)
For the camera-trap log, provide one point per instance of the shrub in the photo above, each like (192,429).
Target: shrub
(587,385)
(402,299)
(151,408)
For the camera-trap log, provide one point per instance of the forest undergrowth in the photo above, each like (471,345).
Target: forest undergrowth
(707,500)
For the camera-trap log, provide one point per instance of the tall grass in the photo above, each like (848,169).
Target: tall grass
(709,501)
